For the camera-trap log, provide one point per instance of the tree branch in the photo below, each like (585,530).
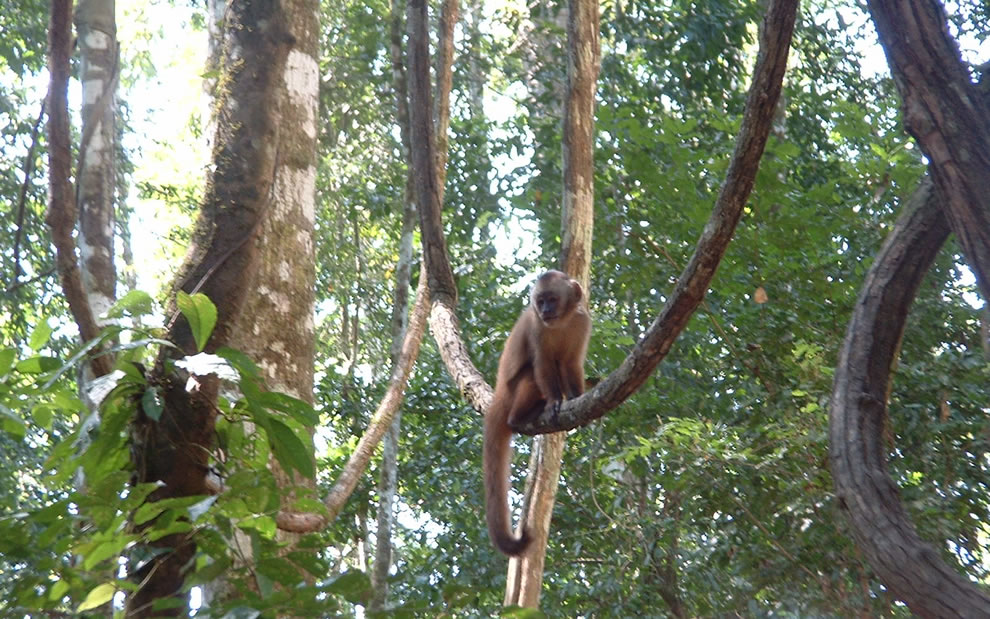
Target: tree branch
(22,198)
(912,569)
(382,418)
(697,275)
(947,115)
(380,421)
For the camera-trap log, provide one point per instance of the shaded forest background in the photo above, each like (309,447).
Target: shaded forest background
(706,493)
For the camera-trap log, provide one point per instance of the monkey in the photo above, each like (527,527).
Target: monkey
(542,361)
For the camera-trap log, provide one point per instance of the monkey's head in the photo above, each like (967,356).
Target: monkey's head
(554,297)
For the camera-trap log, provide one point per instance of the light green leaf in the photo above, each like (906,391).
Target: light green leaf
(37,365)
(135,302)
(59,589)
(43,415)
(201,314)
(100,595)
(12,423)
(40,336)
(7,356)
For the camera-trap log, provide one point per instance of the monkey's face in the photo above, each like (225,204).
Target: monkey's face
(549,307)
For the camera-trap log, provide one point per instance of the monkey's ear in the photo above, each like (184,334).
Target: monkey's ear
(578,291)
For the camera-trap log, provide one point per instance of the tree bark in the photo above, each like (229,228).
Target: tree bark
(62,213)
(525,572)
(388,480)
(946,113)
(912,569)
(276,327)
(428,186)
(442,288)
(95,177)
(222,259)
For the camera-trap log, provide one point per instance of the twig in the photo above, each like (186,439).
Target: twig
(22,201)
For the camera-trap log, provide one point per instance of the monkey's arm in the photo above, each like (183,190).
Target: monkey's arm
(516,355)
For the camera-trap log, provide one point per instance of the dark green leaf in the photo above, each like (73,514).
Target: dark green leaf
(151,403)
(290,451)
(354,585)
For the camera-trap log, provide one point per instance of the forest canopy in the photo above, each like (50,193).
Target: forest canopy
(260,258)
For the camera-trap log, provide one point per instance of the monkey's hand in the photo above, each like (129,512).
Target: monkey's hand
(554,407)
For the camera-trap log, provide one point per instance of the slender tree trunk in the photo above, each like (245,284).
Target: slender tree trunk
(388,481)
(525,576)
(62,213)
(95,177)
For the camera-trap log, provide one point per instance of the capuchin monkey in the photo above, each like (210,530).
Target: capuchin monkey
(543,361)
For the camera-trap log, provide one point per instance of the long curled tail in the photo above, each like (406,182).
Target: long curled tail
(496,459)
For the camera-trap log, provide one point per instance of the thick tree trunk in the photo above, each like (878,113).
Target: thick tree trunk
(912,569)
(249,151)
(948,116)
(525,573)
(276,327)
(95,178)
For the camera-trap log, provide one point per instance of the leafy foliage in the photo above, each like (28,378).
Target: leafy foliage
(708,491)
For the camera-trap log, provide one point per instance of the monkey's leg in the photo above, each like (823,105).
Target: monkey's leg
(527,401)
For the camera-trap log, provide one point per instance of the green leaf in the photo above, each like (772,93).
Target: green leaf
(290,451)
(294,407)
(40,336)
(148,511)
(201,314)
(521,613)
(11,423)
(43,415)
(100,595)
(105,551)
(135,303)
(59,589)
(353,585)
(242,362)
(279,570)
(37,365)
(151,403)
(7,356)
(197,510)
(242,612)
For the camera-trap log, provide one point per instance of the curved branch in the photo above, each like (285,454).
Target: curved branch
(947,115)
(380,421)
(425,173)
(697,275)
(443,291)
(690,290)
(912,569)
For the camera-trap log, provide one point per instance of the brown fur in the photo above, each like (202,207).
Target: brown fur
(543,361)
